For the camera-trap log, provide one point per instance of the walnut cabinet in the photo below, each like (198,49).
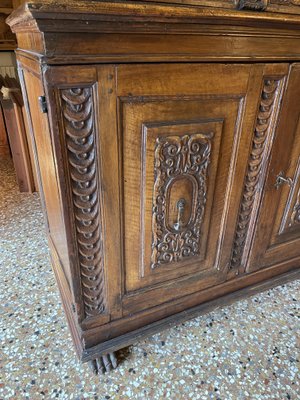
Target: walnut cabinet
(167,141)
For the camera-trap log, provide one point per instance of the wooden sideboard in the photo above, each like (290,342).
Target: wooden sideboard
(168,143)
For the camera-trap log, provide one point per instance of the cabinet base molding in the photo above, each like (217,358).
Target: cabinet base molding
(113,345)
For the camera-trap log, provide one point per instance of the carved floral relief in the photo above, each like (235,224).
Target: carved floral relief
(179,157)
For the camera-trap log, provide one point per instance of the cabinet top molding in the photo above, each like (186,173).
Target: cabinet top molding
(82,32)
(53,15)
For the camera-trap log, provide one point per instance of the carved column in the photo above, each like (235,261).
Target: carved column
(80,142)
(257,159)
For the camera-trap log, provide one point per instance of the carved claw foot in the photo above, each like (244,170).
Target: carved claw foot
(104,363)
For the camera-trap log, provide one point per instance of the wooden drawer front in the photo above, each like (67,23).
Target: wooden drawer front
(277,236)
(184,132)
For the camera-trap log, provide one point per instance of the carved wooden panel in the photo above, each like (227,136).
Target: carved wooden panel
(263,134)
(82,158)
(179,158)
(180,165)
(182,174)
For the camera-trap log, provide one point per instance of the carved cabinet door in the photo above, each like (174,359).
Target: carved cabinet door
(160,168)
(184,137)
(277,233)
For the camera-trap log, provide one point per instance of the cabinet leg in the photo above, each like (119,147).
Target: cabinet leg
(104,363)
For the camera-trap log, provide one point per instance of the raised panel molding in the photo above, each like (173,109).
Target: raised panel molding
(80,141)
(178,157)
(259,153)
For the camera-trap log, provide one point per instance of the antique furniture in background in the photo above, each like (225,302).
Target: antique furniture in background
(168,144)
(14,133)
(7,38)
(15,124)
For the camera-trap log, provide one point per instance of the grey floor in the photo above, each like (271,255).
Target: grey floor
(249,350)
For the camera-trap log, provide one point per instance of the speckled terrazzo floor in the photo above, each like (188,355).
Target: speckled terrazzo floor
(249,350)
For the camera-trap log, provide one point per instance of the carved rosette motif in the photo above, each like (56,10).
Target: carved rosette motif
(79,127)
(255,164)
(176,157)
(295,217)
(256,5)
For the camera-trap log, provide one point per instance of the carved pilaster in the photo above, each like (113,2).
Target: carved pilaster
(256,162)
(80,140)
(179,157)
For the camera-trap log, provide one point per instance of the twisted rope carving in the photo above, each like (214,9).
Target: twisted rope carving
(255,163)
(81,148)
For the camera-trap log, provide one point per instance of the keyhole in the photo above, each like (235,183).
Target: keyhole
(180,207)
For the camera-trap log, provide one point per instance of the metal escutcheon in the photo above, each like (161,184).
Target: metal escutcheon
(180,207)
(281,179)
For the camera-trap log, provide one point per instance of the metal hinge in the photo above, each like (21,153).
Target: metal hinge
(43,104)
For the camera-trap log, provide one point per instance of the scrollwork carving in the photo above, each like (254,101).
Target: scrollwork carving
(79,130)
(295,217)
(255,163)
(177,156)
(255,5)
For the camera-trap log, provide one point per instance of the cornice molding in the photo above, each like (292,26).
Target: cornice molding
(43,16)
